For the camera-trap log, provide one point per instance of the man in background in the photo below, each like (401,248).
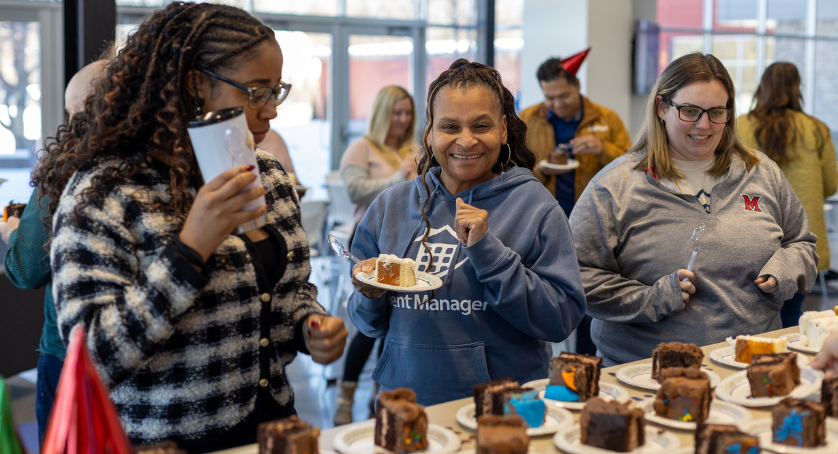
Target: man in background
(595,133)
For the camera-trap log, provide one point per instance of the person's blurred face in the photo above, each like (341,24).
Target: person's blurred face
(466,136)
(263,68)
(400,118)
(562,98)
(694,141)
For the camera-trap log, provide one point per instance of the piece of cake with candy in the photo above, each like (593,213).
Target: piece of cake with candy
(800,423)
(401,424)
(684,395)
(612,425)
(573,377)
(392,270)
(289,435)
(13,209)
(774,374)
(501,435)
(675,354)
(724,439)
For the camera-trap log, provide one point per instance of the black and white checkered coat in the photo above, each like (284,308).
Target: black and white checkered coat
(179,350)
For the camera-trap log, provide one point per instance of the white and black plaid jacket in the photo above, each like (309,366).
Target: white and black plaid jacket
(180,350)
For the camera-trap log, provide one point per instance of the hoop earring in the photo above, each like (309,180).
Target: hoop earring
(508,157)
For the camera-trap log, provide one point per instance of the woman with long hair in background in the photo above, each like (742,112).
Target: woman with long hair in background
(802,146)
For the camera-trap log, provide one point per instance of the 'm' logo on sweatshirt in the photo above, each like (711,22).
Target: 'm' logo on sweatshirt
(751,203)
(443,248)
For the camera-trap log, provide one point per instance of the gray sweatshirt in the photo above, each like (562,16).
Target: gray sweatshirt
(632,234)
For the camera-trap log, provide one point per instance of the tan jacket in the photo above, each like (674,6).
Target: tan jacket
(600,121)
(813,172)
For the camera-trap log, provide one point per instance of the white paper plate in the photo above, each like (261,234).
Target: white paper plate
(736,389)
(724,355)
(762,429)
(555,419)
(720,413)
(569,440)
(607,391)
(640,375)
(359,438)
(424,282)
(571,164)
(793,343)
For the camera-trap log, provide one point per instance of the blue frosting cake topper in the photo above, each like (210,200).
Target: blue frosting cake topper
(561,393)
(527,405)
(792,426)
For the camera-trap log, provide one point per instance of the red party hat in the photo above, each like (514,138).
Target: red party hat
(83,420)
(572,63)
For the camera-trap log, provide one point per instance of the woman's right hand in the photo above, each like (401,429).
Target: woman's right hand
(409,168)
(366,266)
(687,287)
(215,212)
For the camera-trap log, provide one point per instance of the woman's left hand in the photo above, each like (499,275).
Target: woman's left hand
(325,337)
(767,283)
(470,223)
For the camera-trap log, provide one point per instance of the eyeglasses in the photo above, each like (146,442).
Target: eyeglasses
(718,115)
(258,96)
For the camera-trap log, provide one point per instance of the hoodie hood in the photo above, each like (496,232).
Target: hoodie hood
(512,177)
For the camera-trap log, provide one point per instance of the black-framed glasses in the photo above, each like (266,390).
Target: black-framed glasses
(718,115)
(258,96)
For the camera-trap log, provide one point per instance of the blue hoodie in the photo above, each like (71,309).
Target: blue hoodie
(501,298)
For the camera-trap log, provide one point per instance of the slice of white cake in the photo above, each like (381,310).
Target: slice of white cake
(748,346)
(392,270)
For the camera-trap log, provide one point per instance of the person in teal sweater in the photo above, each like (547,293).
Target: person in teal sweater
(27,262)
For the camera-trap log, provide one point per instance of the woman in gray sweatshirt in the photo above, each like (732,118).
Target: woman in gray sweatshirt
(633,224)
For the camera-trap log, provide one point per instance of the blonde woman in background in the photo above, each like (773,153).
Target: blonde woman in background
(802,146)
(383,157)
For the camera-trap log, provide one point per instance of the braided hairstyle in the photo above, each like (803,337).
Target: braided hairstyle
(464,75)
(139,108)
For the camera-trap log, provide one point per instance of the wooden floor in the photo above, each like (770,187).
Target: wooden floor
(314,385)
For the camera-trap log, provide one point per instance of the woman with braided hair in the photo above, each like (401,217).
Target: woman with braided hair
(477,218)
(190,326)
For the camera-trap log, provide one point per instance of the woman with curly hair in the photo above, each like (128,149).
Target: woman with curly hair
(802,146)
(477,218)
(190,326)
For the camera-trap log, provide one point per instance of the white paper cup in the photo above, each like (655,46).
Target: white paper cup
(219,139)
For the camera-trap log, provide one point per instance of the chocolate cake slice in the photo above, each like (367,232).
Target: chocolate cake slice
(501,435)
(684,395)
(13,209)
(289,435)
(773,374)
(724,439)
(489,396)
(675,354)
(577,372)
(797,422)
(401,424)
(612,425)
(829,394)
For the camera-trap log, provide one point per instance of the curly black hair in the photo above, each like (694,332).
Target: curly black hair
(139,109)
(463,74)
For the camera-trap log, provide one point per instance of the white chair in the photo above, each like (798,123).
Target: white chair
(314,214)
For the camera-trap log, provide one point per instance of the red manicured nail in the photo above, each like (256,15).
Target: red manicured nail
(270,206)
(315,323)
(251,167)
(309,333)
(265,186)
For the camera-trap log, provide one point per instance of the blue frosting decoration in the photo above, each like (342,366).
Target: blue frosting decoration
(561,393)
(736,448)
(792,426)
(527,405)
